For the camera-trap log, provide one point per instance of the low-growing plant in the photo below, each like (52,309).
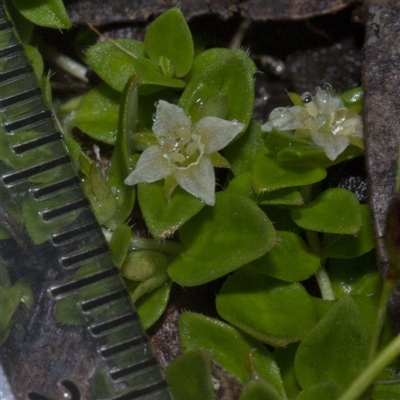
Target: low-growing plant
(272,231)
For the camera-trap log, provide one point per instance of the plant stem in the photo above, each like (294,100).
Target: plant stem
(387,289)
(321,275)
(365,379)
(142,243)
(66,63)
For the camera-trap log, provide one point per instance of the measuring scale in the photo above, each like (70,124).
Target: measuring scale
(56,245)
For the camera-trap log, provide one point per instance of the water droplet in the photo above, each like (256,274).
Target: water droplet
(306,97)
(326,86)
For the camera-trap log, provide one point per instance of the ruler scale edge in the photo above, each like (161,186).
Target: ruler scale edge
(77,265)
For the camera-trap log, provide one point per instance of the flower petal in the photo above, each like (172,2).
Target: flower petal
(216,133)
(198,180)
(151,166)
(333,145)
(171,122)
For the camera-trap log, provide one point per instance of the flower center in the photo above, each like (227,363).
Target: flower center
(183,150)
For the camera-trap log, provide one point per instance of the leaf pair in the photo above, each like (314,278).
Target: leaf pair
(165,55)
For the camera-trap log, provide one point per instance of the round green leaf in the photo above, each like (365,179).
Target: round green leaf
(163,218)
(114,65)
(273,311)
(340,246)
(230,76)
(242,152)
(151,305)
(220,239)
(336,350)
(315,155)
(259,390)
(97,115)
(290,259)
(355,276)
(49,13)
(353,99)
(169,36)
(323,390)
(189,376)
(268,175)
(206,58)
(237,352)
(241,184)
(333,211)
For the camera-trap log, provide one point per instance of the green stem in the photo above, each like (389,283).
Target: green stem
(366,378)
(164,246)
(387,289)
(141,243)
(322,277)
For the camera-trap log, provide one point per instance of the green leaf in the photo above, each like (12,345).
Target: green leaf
(336,349)
(241,184)
(120,167)
(280,217)
(49,13)
(340,246)
(259,390)
(355,276)
(291,151)
(353,99)
(333,211)
(101,197)
(290,259)
(169,37)
(97,114)
(268,175)
(237,352)
(231,76)
(242,152)
(10,298)
(148,73)
(287,310)
(196,369)
(206,58)
(151,305)
(323,390)
(23,26)
(220,239)
(284,357)
(315,155)
(163,218)
(120,243)
(36,59)
(142,264)
(113,65)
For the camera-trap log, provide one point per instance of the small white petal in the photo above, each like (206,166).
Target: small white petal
(216,133)
(333,145)
(171,122)
(151,166)
(267,127)
(327,101)
(286,119)
(198,180)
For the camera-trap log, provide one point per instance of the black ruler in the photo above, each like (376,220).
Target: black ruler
(55,245)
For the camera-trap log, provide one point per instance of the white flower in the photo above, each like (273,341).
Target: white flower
(324,116)
(183,151)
